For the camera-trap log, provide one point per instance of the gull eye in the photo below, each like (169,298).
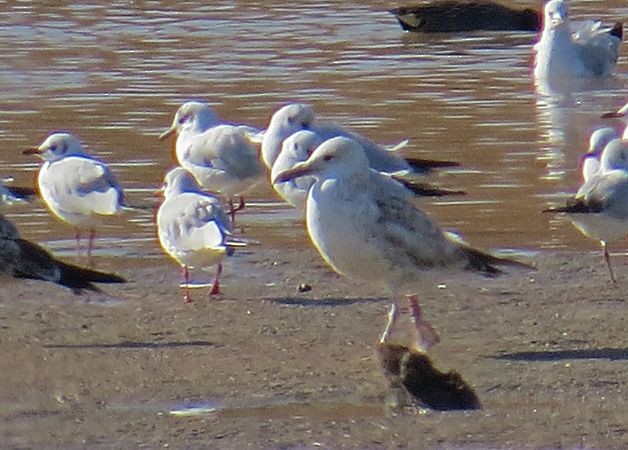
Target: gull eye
(290,120)
(328,157)
(185,118)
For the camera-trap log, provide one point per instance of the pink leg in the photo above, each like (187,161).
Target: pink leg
(186,279)
(426,335)
(90,246)
(607,258)
(216,285)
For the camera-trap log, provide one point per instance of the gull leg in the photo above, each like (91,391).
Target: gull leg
(90,246)
(392,319)
(233,209)
(77,236)
(216,284)
(607,258)
(186,279)
(425,333)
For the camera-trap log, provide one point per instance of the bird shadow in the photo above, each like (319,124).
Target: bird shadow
(132,344)
(613,354)
(323,302)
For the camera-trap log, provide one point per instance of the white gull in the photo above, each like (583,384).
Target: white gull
(600,207)
(588,51)
(296,116)
(223,158)
(78,189)
(192,227)
(363,225)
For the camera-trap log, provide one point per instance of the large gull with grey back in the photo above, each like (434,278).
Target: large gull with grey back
(364,225)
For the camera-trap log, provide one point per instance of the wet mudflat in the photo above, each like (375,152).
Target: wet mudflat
(266,366)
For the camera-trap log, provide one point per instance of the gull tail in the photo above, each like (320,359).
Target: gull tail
(77,278)
(426,165)
(486,263)
(425,189)
(617,30)
(576,207)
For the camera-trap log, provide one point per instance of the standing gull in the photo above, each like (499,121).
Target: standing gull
(364,226)
(585,52)
(223,158)
(296,116)
(20,258)
(192,227)
(78,189)
(600,207)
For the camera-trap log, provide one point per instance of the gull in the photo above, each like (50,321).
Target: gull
(296,116)
(588,51)
(192,227)
(223,158)
(10,194)
(454,15)
(78,189)
(597,142)
(599,209)
(20,258)
(299,146)
(364,226)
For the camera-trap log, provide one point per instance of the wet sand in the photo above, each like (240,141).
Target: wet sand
(545,351)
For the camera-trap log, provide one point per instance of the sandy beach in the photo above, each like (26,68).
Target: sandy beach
(265,366)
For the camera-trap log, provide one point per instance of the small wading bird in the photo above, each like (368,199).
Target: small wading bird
(78,189)
(20,258)
(363,225)
(588,51)
(223,158)
(600,207)
(192,227)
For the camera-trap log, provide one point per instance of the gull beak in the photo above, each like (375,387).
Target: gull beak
(299,170)
(32,151)
(169,132)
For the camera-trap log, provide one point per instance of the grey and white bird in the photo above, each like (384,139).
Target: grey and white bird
(223,158)
(77,188)
(296,116)
(621,113)
(600,207)
(590,162)
(363,224)
(589,50)
(192,227)
(20,258)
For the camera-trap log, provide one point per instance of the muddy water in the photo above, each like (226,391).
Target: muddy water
(115,75)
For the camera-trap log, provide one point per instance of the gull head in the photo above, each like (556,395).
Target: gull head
(335,158)
(615,156)
(292,118)
(57,146)
(191,116)
(599,139)
(300,145)
(556,13)
(177,181)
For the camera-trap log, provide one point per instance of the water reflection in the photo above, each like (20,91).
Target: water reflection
(114,74)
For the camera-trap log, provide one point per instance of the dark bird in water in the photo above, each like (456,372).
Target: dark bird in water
(20,258)
(456,15)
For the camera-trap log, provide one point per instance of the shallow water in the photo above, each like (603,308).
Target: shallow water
(115,75)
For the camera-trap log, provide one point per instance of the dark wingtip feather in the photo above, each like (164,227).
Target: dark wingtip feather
(484,262)
(425,165)
(617,30)
(25,193)
(427,190)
